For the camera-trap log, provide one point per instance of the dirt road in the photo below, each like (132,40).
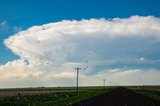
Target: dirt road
(119,97)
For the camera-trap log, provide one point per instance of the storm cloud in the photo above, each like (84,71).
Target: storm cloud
(48,53)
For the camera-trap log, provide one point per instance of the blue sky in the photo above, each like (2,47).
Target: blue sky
(129,46)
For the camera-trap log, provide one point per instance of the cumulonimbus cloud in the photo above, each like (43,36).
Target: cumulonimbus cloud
(57,47)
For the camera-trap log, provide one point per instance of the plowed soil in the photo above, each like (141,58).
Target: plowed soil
(119,97)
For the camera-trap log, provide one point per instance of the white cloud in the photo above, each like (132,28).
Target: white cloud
(16,28)
(123,77)
(141,59)
(3,25)
(18,73)
(29,76)
(49,53)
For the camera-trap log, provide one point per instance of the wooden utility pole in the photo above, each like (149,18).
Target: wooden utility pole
(104,82)
(77,68)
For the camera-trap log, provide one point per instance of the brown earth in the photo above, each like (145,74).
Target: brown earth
(143,87)
(4,94)
(119,97)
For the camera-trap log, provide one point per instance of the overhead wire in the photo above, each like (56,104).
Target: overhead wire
(41,57)
(50,60)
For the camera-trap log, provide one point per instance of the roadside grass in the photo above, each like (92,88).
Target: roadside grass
(155,94)
(82,95)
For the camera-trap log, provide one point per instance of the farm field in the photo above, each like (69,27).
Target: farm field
(87,96)
(58,96)
(149,91)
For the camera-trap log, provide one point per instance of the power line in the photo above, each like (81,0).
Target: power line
(37,54)
(53,61)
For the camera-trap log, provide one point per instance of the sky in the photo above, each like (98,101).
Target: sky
(41,42)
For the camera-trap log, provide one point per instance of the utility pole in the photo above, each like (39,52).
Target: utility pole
(104,81)
(110,83)
(77,68)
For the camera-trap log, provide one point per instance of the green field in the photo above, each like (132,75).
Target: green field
(155,94)
(60,96)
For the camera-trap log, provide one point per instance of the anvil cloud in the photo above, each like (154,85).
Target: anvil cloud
(104,48)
